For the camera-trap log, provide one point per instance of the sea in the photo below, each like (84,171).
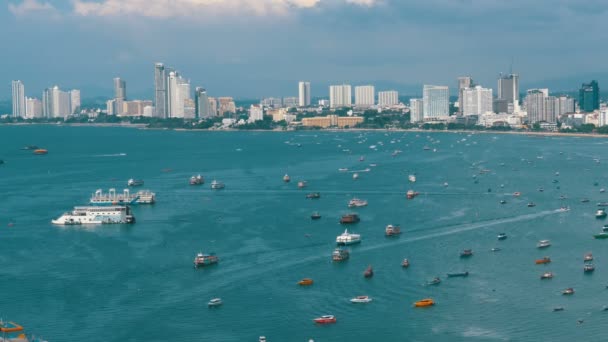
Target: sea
(137,282)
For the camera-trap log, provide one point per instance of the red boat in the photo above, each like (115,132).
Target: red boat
(411,194)
(349,218)
(325,319)
(369,272)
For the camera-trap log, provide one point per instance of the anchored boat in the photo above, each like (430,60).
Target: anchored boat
(96,215)
(125,198)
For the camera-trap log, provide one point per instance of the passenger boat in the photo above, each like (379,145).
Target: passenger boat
(214,302)
(588,257)
(411,194)
(349,218)
(286,178)
(391,230)
(600,213)
(424,303)
(412,178)
(466,253)
(305,282)
(205,259)
(542,261)
(356,202)
(588,268)
(543,244)
(135,182)
(546,275)
(361,299)
(126,198)
(340,254)
(325,319)
(459,274)
(531,204)
(602,235)
(96,215)
(568,291)
(315,215)
(40,151)
(405,263)
(217,185)
(301,184)
(347,238)
(369,272)
(197,180)
(434,281)
(502,236)
(313,195)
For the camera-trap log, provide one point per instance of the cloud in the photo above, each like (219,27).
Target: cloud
(30,6)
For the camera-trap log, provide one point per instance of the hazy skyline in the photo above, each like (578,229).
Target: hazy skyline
(249,49)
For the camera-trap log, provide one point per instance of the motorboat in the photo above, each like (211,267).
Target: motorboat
(588,268)
(369,272)
(545,260)
(541,189)
(325,319)
(405,263)
(412,178)
(495,249)
(30,147)
(605,228)
(302,184)
(356,202)
(466,253)
(531,204)
(502,236)
(205,259)
(546,275)
(315,215)
(214,302)
(584,200)
(424,303)
(305,282)
(600,213)
(516,194)
(543,244)
(602,204)
(355,175)
(434,281)
(361,299)
(135,182)
(197,180)
(503,202)
(286,178)
(588,257)
(568,291)
(411,194)
(217,185)
(313,195)
(392,230)
(349,218)
(340,254)
(40,151)
(458,274)
(559,308)
(602,235)
(262,339)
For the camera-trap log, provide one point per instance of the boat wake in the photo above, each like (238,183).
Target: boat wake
(111,155)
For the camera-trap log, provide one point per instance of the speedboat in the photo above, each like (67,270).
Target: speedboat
(197,180)
(369,272)
(424,303)
(543,244)
(391,230)
(361,299)
(405,263)
(588,257)
(355,202)
(568,291)
(502,236)
(458,274)
(495,249)
(588,268)
(217,185)
(340,254)
(315,215)
(325,319)
(600,213)
(602,235)
(559,308)
(302,184)
(305,282)
(135,182)
(205,259)
(546,275)
(313,195)
(516,194)
(531,204)
(503,202)
(542,261)
(466,253)
(411,194)
(215,302)
(585,200)
(262,339)
(40,151)
(434,281)
(286,178)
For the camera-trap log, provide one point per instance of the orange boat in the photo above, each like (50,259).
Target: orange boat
(41,151)
(305,282)
(544,260)
(424,303)
(10,327)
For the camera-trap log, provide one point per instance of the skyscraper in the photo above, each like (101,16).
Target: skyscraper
(436,100)
(33,108)
(416,110)
(120,95)
(388,98)
(160,91)
(476,101)
(589,96)
(340,96)
(178,94)
(365,96)
(304,94)
(535,105)
(18,99)
(201,101)
(74,101)
(463,82)
(508,89)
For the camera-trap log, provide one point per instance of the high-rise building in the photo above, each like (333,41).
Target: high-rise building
(304,94)
(120,95)
(416,110)
(160,91)
(508,90)
(256,113)
(388,98)
(178,94)
(566,105)
(18,99)
(74,101)
(476,101)
(57,103)
(340,96)
(535,105)
(551,109)
(226,105)
(189,108)
(365,96)
(110,107)
(201,101)
(463,83)
(33,108)
(589,96)
(213,107)
(47,103)
(436,101)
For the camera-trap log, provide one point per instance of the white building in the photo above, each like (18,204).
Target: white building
(388,98)
(111,107)
(290,102)
(18,99)
(304,94)
(476,101)
(340,96)
(535,105)
(603,117)
(416,110)
(149,111)
(365,96)
(74,101)
(324,103)
(566,105)
(33,108)
(256,113)
(436,102)
(178,94)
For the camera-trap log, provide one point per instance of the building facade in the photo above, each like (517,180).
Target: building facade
(388,98)
(365,96)
(340,96)
(463,83)
(256,113)
(226,105)
(476,101)
(33,108)
(436,102)
(304,94)
(332,121)
(160,91)
(18,98)
(535,105)
(589,97)
(508,90)
(416,110)
(201,100)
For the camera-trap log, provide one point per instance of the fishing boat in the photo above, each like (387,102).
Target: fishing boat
(392,230)
(568,291)
(302,184)
(424,303)
(458,274)
(369,272)
(434,281)
(305,282)
(214,302)
(502,236)
(313,195)
(356,202)
(286,178)
(600,213)
(96,215)
(315,215)
(349,218)
(197,180)
(405,263)
(411,194)
(546,275)
(412,178)
(217,185)
(340,254)
(40,151)
(135,182)
(602,235)
(347,238)
(325,319)
(205,259)
(361,299)
(543,244)
(466,253)
(542,261)
(588,268)
(588,257)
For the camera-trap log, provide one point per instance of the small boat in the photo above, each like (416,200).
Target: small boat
(588,268)
(585,200)
(502,236)
(412,178)
(349,218)
(602,204)
(543,244)
(541,189)
(531,204)
(286,178)
(458,274)
(559,308)
(215,302)
(40,151)
(542,261)
(605,228)
(361,299)
(546,275)
(205,259)
(424,303)
(516,194)
(445,184)
(600,213)
(305,282)
(355,175)
(434,281)
(563,209)
(340,254)
(568,291)
(262,339)
(369,272)
(325,319)
(302,184)
(495,249)
(466,253)
(217,185)
(602,190)
(503,202)
(355,203)
(315,215)
(405,263)
(135,182)
(313,195)
(602,235)
(588,257)
(30,147)
(426,148)
(391,230)
(411,194)
(197,180)
(342,169)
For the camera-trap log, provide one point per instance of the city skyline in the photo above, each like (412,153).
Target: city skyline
(324,53)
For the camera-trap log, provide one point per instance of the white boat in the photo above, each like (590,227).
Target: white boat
(412,178)
(347,238)
(361,299)
(96,215)
(135,182)
(216,185)
(355,175)
(215,302)
(543,244)
(343,169)
(113,198)
(356,202)
(262,339)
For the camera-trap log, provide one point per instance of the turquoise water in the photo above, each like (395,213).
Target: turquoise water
(137,283)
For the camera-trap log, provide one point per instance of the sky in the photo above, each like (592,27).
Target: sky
(262,48)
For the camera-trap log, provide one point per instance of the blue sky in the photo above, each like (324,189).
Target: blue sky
(254,48)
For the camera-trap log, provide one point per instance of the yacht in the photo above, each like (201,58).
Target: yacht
(355,202)
(325,319)
(547,275)
(96,215)
(217,185)
(568,291)
(361,299)
(197,180)
(347,238)
(543,244)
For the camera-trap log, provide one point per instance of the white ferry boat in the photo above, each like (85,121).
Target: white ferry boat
(96,215)
(347,238)
(124,198)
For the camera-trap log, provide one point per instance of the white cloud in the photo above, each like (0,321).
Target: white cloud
(30,6)
(368,3)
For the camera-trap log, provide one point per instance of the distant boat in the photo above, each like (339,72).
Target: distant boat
(392,230)
(543,244)
(355,175)
(349,218)
(531,204)
(135,182)
(340,254)
(544,260)
(412,178)
(588,268)
(502,236)
(405,263)
(434,281)
(30,147)
(325,319)
(301,184)
(600,214)
(411,194)
(217,185)
(205,259)
(361,299)
(286,178)
(215,302)
(559,308)
(568,291)
(356,202)
(313,195)
(369,272)
(547,275)
(584,200)
(315,215)
(503,202)
(602,235)
(588,257)
(424,303)
(197,180)
(458,274)
(347,238)
(305,282)
(466,253)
